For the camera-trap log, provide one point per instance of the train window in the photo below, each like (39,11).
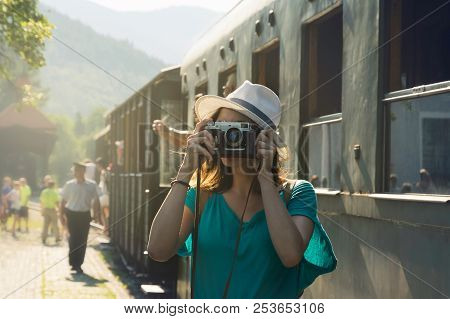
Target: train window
(266,66)
(146,143)
(419,143)
(320,111)
(201,89)
(321,151)
(227,82)
(417,47)
(417,125)
(169,157)
(322,66)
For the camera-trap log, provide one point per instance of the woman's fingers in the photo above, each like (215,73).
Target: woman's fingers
(203,134)
(263,153)
(265,135)
(264,145)
(201,143)
(201,125)
(204,141)
(200,150)
(207,135)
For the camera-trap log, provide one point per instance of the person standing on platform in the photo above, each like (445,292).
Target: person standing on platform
(77,196)
(90,170)
(49,206)
(25,193)
(5,204)
(14,198)
(104,188)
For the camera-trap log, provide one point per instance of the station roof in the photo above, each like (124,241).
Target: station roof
(26,129)
(25,117)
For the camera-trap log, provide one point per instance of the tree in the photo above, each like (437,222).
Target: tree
(79,124)
(67,149)
(24,30)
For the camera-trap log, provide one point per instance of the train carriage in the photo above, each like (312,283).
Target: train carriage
(364,87)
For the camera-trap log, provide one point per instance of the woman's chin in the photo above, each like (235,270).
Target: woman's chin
(244,165)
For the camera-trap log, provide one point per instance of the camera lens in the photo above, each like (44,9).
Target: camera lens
(233,137)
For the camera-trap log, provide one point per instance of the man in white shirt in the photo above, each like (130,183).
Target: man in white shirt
(77,196)
(90,170)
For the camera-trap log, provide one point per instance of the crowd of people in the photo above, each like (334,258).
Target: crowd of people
(65,211)
(14,204)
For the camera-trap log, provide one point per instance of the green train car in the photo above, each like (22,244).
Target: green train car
(365,92)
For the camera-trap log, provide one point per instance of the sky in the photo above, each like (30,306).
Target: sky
(147,5)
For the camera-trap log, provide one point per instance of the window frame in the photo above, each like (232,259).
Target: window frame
(403,95)
(319,121)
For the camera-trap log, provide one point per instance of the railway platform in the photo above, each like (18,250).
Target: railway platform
(29,269)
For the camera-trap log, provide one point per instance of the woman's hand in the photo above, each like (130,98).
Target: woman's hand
(200,143)
(265,152)
(160,128)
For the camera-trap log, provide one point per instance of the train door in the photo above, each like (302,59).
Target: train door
(320,106)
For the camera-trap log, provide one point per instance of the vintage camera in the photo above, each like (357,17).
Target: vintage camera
(234,139)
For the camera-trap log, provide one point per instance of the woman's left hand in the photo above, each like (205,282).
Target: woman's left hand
(265,151)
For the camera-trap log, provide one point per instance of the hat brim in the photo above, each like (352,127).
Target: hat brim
(207,105)
(81,164)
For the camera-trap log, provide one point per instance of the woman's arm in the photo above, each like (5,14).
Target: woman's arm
(165,233)
(173,222)
(175,137)
(290,234)
(178,138)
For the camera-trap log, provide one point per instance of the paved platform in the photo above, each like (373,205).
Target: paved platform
(28,269)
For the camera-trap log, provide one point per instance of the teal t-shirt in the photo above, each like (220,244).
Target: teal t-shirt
(258,272)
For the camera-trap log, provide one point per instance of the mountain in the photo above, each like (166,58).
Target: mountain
(166,33)
(75,85)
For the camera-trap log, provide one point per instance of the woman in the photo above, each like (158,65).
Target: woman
(282,246)
(104,197)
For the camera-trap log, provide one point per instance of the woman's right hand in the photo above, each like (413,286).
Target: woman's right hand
(199,144)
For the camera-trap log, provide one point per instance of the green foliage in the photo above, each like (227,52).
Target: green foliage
(72,145)
(22,86)
(79,125)
(67,148)
(24,30)
(79,86)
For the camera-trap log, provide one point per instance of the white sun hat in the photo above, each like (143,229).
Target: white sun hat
(257,102)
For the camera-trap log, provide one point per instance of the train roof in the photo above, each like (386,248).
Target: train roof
(223,29)
(170,73)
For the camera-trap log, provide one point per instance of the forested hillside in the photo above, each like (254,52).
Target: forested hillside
(76,85)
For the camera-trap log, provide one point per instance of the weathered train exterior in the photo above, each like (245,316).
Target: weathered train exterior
(343,80)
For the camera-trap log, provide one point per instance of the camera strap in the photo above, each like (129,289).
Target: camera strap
(238,239)
(201,197)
